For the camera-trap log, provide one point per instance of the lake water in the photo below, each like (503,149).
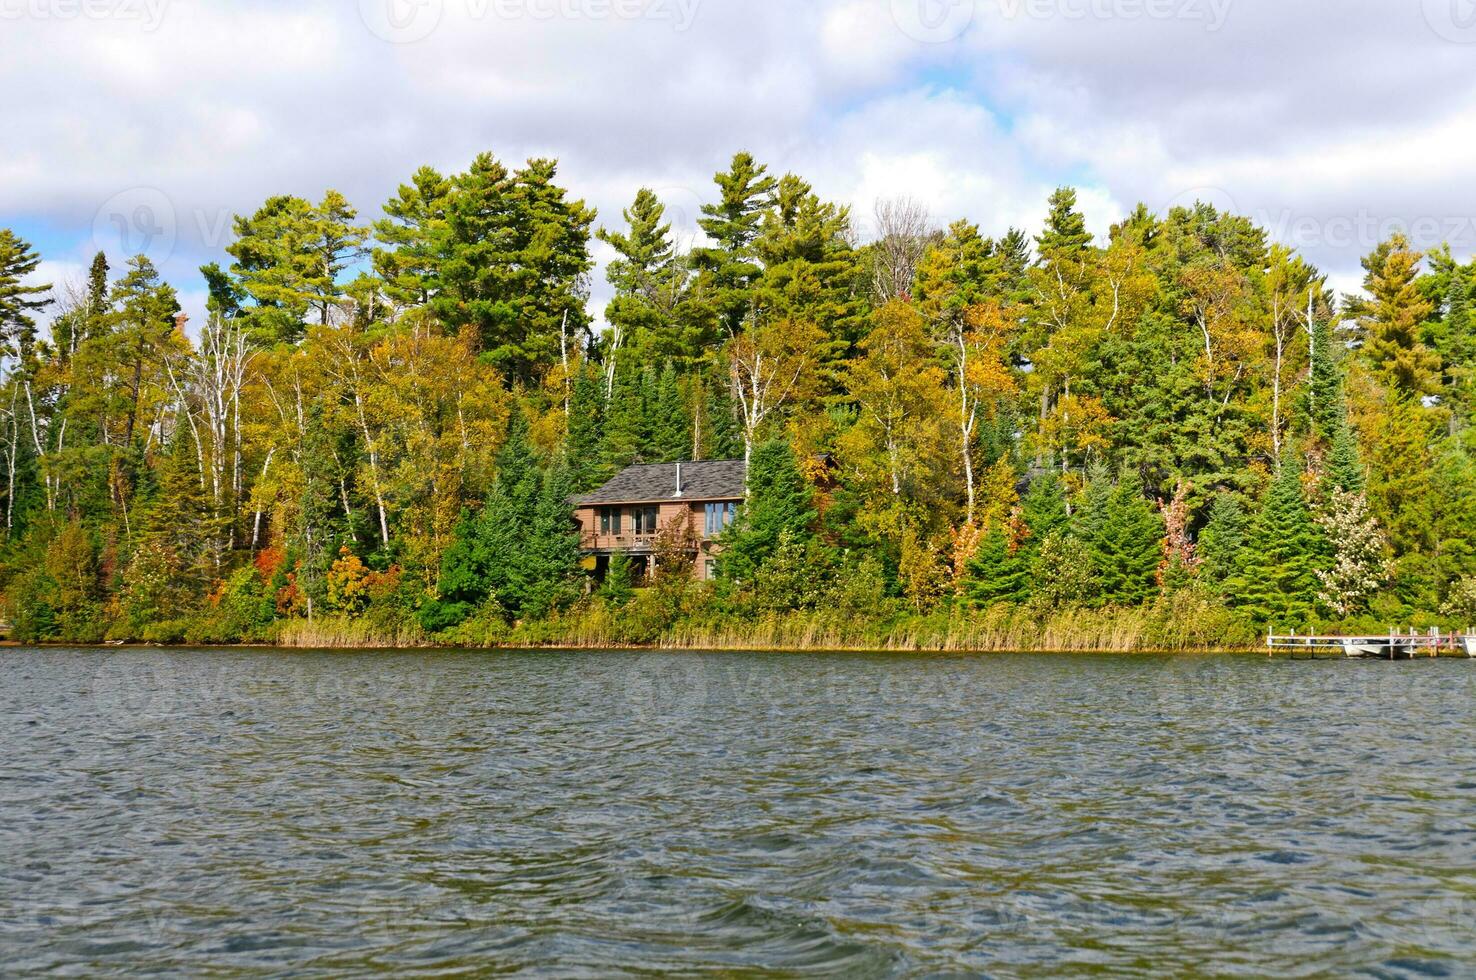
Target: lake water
(321,814)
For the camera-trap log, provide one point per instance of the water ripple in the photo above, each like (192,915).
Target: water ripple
(250,813)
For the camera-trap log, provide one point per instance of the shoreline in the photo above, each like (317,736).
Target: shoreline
(677,649)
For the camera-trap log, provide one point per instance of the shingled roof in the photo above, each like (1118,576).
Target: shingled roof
(718,479)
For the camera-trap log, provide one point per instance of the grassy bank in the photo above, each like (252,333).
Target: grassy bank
(1185,625)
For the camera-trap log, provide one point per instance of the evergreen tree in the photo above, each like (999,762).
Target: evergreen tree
(551,558)
(1393,317)
(414,221)
(584,439)
(1065,235)
(1000,571)
(18,300)
(1044,507)
(671,433)
(290,256)
(618,587)
(492,556)
(1277,580)
(1128,545)
(1460,343)
(811,270)
(627,431)
(1096,498)
(510,263)
(724,433)
(1344,464)
(729,267)
(648,280)
(1223,539)
(1325,396)
(780,501)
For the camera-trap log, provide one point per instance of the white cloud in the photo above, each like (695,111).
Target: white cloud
(1301,115)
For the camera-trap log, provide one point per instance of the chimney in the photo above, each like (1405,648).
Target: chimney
(679,478)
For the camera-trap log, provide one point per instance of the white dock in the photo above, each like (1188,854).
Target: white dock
(1394,646)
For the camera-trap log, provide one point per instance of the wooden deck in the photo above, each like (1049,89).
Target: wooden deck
(1394,646)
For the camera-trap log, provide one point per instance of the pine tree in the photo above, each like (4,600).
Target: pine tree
(1044,507)
(671,432)
(1393,317)
(551,557)
(626,419)
(1325,394)
(510,262)
(1096,497)
(1460,343)
(729,267)
(1277,580)
(18,300)
(780,501)
(1128,545)
(492,556)
(290,256)
(1000,571)
(1065,235)
(584,438)
(724,433)
(618,586)
(1344,464)
(1223,539)
(415,218)
(648,280)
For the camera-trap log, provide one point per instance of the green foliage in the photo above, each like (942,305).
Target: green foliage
(392,445)
(1126,546)
(1000,571)
(729,269)
(1223,539)
(289,258)
(520,554)
(780,506)
(1277,582)
(618,587)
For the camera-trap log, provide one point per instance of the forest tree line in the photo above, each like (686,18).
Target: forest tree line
(381,420)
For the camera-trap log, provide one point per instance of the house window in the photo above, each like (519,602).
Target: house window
(646,520)
(719,517)
(609,520)
(711,570)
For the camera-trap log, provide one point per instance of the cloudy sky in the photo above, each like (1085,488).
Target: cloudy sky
(145,124)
